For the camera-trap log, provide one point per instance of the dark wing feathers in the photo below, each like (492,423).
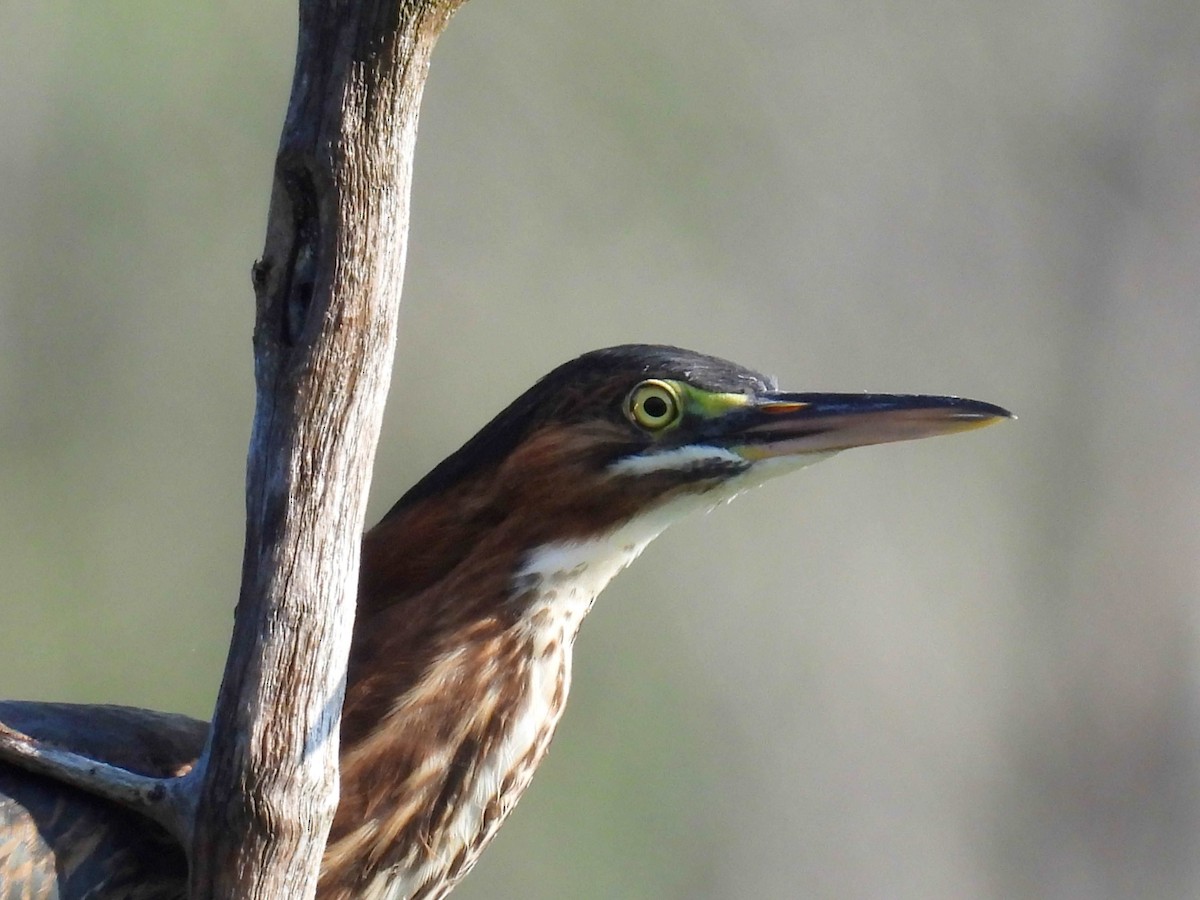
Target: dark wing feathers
(60,843)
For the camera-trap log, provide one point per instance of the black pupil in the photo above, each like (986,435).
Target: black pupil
(655,407)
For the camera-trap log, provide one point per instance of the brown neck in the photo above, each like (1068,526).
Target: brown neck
(459,669)
(442,670)
(412,614)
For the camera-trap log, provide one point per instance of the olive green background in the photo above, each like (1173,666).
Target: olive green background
(957,668)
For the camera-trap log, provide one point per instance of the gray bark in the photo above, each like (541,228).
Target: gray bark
(328,293)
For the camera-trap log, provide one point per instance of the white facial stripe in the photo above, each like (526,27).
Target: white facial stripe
(680,459)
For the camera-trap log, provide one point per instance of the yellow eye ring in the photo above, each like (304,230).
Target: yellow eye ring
(654,405)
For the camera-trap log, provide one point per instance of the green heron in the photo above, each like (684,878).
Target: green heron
(472,590)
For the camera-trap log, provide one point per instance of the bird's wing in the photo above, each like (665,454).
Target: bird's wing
(60,843)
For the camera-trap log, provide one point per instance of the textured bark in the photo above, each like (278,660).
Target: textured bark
(328,292)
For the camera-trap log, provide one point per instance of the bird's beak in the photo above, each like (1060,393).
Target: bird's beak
(780,424)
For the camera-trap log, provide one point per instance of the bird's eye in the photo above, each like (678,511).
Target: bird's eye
(653,405)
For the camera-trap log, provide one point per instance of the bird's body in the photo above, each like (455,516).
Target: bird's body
(472,591)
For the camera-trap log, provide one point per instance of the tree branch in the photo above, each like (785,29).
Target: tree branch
(328,291)
(163,800)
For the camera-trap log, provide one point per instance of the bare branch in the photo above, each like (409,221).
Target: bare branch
(328,291)
(163,800)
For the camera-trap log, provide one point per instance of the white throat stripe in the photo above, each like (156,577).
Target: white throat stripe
(680,459)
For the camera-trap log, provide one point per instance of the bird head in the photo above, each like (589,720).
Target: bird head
(619,432)
(618,443)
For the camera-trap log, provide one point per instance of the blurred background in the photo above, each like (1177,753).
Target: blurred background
(957,668)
